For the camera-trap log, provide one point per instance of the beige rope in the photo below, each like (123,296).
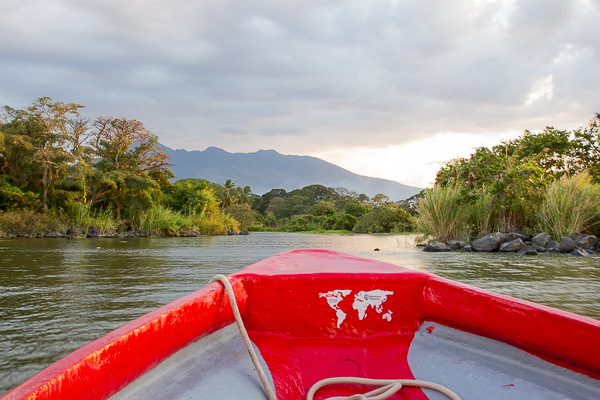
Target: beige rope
(238,319)
(387,386)
(387,389)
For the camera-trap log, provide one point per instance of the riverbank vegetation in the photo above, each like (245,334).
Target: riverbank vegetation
(61,173)
(546,181)
(64,174)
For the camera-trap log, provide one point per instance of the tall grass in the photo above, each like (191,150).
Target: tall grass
(157,220)
(30,222)
(571,205)
(483,218)
(442,215)
(160,221)
(80,217)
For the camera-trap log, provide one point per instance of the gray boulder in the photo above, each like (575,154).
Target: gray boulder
(456,243)
(489,242)
(584,241)
(581,253)
(529,251)
(567,245)
(541,239)
(436,247)
(552,245)
(93,232)
(537,247)
(512,236)
(526,236)
(512,246)
(467,249)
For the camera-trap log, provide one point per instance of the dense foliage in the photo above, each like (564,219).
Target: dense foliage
(507,187)
(320,208)
(59,171)
(79,173)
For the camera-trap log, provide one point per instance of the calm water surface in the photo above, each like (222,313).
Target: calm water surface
(57,295)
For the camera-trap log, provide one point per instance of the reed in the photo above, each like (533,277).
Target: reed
(571,204)
(81,216)
(441,214)
(29,222)
(483,217)
(158,219)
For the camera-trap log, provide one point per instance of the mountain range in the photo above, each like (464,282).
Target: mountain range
(267,169)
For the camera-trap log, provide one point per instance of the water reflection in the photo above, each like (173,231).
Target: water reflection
(56,295)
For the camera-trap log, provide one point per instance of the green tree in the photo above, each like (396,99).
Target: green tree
(322,208)
(243,214)
(246,196)
(587,147)
(128,163)
(192,197)
(44,128)
(285,208)
(380,199)
(229,190)
(384,219)
(262,204)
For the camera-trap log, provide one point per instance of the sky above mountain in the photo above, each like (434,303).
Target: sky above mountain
(388,89)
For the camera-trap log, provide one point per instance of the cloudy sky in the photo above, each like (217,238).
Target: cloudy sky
(383,88)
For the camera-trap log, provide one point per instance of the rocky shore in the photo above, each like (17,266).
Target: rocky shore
(95,232)
(578,244)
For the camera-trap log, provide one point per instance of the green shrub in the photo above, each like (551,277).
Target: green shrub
(158,220)
(30,222)
(382,219)
(243,214)
(442,214)
(483,216)
(571,205)
(344,222)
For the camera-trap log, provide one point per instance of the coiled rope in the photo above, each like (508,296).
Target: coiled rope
(387,386)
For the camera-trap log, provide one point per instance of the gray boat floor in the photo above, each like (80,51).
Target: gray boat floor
(215,367)
(218,367)
(475,367)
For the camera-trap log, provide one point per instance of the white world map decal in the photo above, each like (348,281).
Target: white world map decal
(363,300)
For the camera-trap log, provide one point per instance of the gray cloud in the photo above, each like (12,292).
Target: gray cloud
(307,75)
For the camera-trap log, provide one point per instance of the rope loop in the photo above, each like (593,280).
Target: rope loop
(387,388)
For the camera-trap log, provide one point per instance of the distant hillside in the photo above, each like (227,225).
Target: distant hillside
(267,169)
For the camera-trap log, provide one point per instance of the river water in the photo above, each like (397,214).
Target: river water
(57,295)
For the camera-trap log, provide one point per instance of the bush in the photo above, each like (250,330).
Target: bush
(571,205)
(441,213)
(30,222)
(243,214)
(80,217)
(383,219)
(159,220)
(484,217)
(344,222)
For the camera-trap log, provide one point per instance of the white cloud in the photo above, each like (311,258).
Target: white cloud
(541,88)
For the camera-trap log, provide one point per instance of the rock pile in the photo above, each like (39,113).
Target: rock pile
(578,244)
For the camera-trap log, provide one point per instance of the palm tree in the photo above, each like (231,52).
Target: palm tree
(228,188)
(245,195)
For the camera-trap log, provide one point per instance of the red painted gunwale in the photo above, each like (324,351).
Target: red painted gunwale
(278,298)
